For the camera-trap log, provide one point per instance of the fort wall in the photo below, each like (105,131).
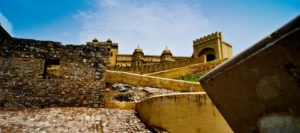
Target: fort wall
(149,81)
(185,112)
(37,74)
(207,48)
(155,67)
(211,47)
(226,50)
(187,70)
(216,35)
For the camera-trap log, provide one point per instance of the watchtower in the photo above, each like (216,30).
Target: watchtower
(166,55)
(138,57)
(211,47)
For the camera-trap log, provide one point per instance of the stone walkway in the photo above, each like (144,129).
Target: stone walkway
(137,93)
(71,120)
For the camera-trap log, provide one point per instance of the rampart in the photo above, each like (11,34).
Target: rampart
(187,70)
(155,67)
(150,81)
(182,113)
(37,74)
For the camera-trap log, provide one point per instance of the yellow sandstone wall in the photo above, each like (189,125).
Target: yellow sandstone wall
(227,51)
(155,67)
(182,113)
(123,60)
(113,56)
(187,70)
(150,81)
(213,42)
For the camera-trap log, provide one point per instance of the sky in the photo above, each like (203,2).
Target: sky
(151,24)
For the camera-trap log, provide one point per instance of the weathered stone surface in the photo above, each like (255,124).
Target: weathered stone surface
(150,90)
(147,81)
(182,113)
(123,96)
(37,74)
(71,120)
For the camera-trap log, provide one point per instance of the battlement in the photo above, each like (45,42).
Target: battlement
(208,38)
(108,42)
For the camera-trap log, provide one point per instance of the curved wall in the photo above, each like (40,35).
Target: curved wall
(150,81)
(182,113)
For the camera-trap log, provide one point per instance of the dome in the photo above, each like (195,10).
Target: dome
(166,51)
(138,50)
(95,40)
(108,40)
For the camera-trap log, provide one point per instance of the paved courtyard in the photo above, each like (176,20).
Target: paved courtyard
(71,119)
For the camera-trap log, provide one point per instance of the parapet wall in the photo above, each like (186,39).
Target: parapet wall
(187,70)
(207,38)
(182,113)
(259,89)
(44,73)
(156,67)
(149,81)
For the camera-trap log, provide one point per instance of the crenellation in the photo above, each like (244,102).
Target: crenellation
(138,58)
(208,38)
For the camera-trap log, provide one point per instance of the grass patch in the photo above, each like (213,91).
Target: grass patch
(192,78)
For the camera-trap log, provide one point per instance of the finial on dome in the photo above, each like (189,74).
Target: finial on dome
(95,40)
(166,51)
(138,49)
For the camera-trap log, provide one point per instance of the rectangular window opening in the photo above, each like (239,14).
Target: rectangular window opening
(51,67)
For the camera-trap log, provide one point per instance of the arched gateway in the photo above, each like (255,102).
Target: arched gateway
(211,47)
(207,54)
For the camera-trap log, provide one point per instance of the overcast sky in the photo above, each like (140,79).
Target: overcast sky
(151,24)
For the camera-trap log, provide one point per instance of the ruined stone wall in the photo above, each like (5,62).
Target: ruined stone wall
(44,73)
(155,67)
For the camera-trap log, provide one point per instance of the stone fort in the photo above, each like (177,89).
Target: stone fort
(46,86)
(208,48)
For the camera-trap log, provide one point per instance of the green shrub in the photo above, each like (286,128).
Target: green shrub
(193,77)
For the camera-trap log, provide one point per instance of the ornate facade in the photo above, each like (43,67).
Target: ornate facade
(207,48)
